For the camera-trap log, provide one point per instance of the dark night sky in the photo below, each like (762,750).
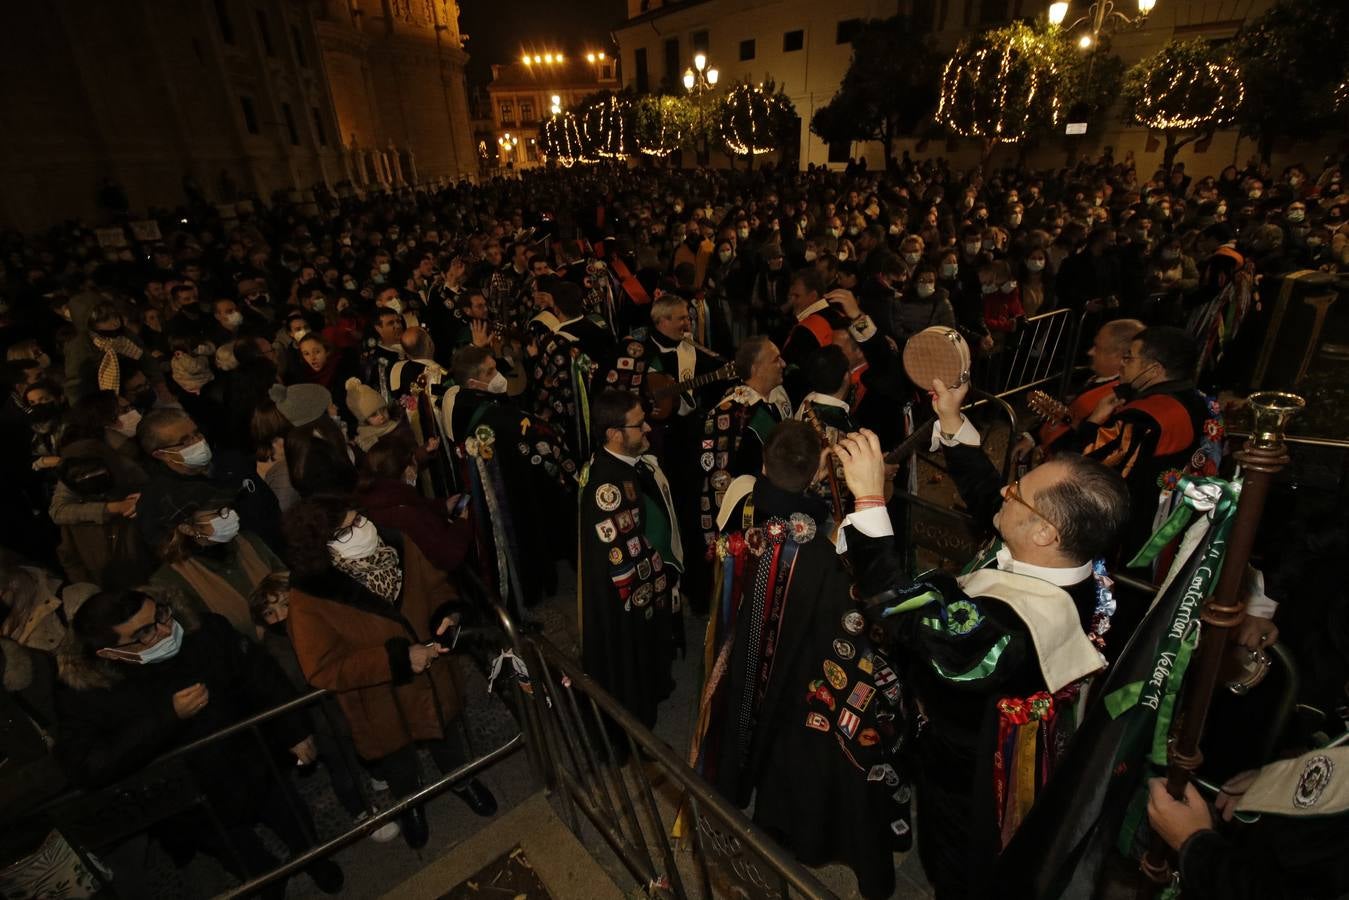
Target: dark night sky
(498,29)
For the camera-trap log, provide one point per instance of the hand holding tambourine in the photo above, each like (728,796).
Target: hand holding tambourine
(937,353)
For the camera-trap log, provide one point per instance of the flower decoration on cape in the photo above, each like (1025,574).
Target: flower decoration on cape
(755,541)
(776,530)
(1168,480)
(409,402)
(484,442)
(802,527)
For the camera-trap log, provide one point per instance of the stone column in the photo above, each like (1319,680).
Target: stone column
(396,164)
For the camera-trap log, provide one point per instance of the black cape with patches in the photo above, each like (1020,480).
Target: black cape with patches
(630,623)
(813,744)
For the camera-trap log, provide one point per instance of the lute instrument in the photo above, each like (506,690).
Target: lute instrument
(662,391)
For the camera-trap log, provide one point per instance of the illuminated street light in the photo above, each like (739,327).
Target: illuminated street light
(712,76)
(537,58)
(700,61)
(1058,12)
(1085,42)
(527,59)
(601,53)
(689,79)
(548,58)
(590,57)
(1100,18)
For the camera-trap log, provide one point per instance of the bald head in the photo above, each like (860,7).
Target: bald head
(417,344)
(1112,342)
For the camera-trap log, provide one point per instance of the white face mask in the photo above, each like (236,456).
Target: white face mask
(384,268)
(234,319)
(972,248)
(349,284)
(926,290)
(496,384)
(949,270)
(725,256)
(912,258)
(395,304)
(166,649)
(1008,287)
(196,456)
(742,233)
(1035,265)
(988,288)
(320,304)
(364,540)
(127,422)
(224,528)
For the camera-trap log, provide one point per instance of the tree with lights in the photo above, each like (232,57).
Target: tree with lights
(606,125)
(890,86)
(1291,58)
(1183,92)
(562,140)
(1004,85)
(662,123)
(755,119)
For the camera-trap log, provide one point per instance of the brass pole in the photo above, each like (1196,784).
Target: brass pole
(1264,455)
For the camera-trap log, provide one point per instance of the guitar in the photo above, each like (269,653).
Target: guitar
(1058,417)
(662,391)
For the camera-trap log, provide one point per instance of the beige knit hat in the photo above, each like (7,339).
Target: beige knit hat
(363,400)
(192,372)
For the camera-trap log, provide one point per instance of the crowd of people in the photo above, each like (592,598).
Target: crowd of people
(302,448)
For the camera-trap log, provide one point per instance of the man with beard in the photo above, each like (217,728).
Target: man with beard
(521,485)
(799,710)
(631,560)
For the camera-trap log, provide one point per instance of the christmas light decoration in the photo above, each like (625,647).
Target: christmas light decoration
(1179,89)
(749,118)
(605,128)
(562,140)
(656,128)
(1000,86)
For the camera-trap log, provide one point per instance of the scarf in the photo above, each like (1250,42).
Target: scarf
(191,372)
(379,573)
(218,594)
(109,374)
(368,435)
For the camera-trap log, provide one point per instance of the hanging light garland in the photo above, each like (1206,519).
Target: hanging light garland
(1212,89)
(747,114)
(562,140)
(604,124)
(1026,79)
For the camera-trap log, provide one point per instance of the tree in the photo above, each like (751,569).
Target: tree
(662,123)
(606,125)
(1004,85)
(562,140)
(1184,92)
(755,119)
(889,88)
(1291,58)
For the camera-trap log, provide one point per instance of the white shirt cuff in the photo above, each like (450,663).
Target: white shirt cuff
(862,328)
(966,434)
(1258,602)
(874,522)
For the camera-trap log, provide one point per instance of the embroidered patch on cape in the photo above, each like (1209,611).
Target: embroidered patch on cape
(838,680)
(1315,778)
(608,497)
(606,530)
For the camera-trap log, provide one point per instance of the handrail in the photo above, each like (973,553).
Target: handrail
(356,832)
(696,789)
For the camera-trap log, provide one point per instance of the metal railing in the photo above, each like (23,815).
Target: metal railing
(578,723)
(1044,353)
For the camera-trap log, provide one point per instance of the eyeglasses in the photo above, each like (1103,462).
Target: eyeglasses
(146,634)
(1014,493)
(344,534)
(186,442)
(1129,357)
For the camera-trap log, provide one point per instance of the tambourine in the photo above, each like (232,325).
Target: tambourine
(937,352)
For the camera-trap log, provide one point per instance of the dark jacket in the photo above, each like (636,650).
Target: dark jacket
(400,506)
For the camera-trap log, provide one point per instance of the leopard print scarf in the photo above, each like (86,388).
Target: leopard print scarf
(379,573)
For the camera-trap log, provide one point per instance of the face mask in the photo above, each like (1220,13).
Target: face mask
(496,384)
(165,649)
(926,290)
(364,541)
(742,233)
(853,230)
(988,288)
(810,255)
(127,422)
(1008,286)
(320,304)
(384,268)
(396,305)
(949,270)
(912,258)
(972,248)
(224,528)
(1014,220)
(834,232)
(725,256)
(348,284)
(1296,215)
(234,319)
(1254,193)
(196,456)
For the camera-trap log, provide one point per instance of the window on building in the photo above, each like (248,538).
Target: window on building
(298,40)
(318,127)
(290,124)
(507,112)
(847,30)
(607,70)
(673,64)
(639,64)
(793,41)
(265,32)
(699,40)
(250,115)
(526,111)
(747,50)
(993,12)
(222,18)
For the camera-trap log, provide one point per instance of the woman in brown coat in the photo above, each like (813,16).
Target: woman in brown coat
(372,621)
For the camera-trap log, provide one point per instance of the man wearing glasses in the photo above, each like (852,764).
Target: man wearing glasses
(148,676)
(631,562)
(1024,624)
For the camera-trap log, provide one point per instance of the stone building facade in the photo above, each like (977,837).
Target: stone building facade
(520,97)
(224,98)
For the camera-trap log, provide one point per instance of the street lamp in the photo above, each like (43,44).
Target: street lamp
(699,81)
(1101,16)
(556,105)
